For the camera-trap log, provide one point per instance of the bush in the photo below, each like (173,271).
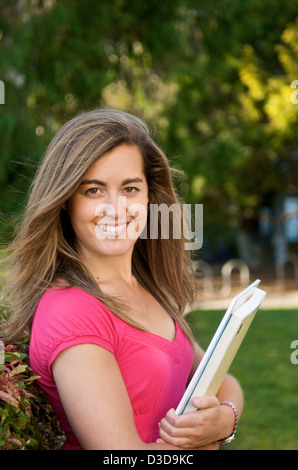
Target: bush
(27,420)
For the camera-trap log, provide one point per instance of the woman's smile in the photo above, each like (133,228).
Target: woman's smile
(108,211)
(111,230)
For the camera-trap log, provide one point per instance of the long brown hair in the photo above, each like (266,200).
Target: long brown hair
(44,249)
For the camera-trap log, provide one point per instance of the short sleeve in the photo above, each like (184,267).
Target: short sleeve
(68,317)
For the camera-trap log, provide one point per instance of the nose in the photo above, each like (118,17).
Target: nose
(112,209)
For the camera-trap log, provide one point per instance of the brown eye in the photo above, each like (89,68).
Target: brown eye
(93,191)
(130,190)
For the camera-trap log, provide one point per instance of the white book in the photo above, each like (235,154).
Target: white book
(223,347)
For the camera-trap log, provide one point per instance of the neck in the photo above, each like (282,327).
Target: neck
(109,269)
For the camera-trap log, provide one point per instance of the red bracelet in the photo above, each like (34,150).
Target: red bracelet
(228,403)
(232,436)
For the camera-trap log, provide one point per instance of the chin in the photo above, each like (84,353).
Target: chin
(116,247)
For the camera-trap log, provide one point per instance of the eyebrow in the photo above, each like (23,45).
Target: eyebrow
(102,183)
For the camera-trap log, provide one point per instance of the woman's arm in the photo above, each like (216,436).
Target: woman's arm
(95,400)
(211,422)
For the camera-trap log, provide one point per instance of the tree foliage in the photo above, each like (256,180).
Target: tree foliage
(214,77)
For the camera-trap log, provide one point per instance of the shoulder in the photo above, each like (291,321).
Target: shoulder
(71,303)
(61,293)
(69,316)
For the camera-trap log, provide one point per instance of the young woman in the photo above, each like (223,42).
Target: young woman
(104,302)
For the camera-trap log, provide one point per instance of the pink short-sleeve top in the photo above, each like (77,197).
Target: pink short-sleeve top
(155,370)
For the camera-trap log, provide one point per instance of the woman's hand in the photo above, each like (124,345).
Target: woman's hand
(200,429)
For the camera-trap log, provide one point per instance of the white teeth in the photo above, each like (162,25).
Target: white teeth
(112,228)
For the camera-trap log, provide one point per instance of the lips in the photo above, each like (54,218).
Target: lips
(112,228)
(111,231)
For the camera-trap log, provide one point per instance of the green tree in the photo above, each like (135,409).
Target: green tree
(213,76)
(60,58)
(234,124)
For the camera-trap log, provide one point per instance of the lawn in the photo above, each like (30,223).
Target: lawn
(268,377)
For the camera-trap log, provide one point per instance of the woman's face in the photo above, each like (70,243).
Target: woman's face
(108,211)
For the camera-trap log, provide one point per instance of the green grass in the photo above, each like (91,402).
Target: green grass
(269,379)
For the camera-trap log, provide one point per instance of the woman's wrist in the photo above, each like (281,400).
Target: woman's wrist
(230,421)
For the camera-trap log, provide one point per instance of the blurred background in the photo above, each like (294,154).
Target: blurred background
(216,80)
